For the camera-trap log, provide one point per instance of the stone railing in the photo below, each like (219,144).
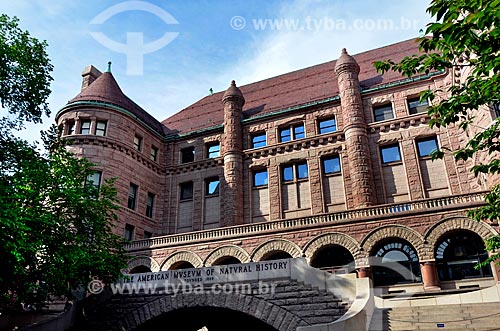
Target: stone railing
(380,211)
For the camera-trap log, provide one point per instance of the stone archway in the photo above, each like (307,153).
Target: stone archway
(273,245)
(395,231)
(435,232)
(332,238)
(272,315)
(145,261)
(182,256)
(229,250)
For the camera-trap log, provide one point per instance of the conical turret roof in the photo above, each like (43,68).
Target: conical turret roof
(105,89)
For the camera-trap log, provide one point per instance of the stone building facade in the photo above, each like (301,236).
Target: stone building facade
(331,163)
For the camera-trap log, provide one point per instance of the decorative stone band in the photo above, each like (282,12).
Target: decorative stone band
(375,212)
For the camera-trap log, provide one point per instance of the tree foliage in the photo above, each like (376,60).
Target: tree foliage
(24,73)
(465,36)
(55,226)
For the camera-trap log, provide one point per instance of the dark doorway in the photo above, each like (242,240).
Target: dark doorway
(457,255)
(276,255)
(213,318)
(225,260)
(333,258)
(181,265)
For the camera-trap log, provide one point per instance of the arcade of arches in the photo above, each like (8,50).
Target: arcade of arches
(389,259)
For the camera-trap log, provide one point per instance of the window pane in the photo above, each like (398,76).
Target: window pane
(331,165)
(132,196)
(415,106)
(288,173)
(137,143)
(260,178)
(213,150)
(85,128)
(94,179)
(212,187)
(383,112)
(285,135)
(100,129)
(426,146)
(154,153)
(186,190)
(327,125)
(129,232)
(302,170)
(390,153)
(187,154)
(298,132)
(150,204)
(71,128)
(259,141)
(147,235)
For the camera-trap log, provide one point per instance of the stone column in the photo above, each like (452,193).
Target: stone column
(356,136)
(495,269)
(430,276)
(364,272)
(232,151)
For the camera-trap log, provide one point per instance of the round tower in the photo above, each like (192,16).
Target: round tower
(232,152)
(358,152)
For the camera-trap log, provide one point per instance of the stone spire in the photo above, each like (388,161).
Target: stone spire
(355,130)
(232,150)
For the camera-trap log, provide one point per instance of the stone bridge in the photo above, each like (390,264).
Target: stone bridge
(280,295)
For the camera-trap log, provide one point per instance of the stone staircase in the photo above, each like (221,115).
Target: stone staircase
(483,316)
(310,304)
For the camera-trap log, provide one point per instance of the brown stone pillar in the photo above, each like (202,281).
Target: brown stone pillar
(430,275)
(364,272)
(232,188)
(495,268)
(356,136)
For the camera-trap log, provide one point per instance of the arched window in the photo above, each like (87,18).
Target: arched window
(395,261)
(333,258)
(457,253)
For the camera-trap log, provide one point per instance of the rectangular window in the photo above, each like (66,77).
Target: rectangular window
(154,154)
(259,140)
(187,154)
(213,150)
(331,165)
(212,186)
(132,196)
(292,132)
(150,204)
(390,153)
(496,109)
(100,128)
(94,179)
(85,127)
(260,178)
(415,106)
(186,190)
(147,234)
(129,232)
(295,171)
(137,143)
(327,125)
(71,127)
(383,112)
(426,146)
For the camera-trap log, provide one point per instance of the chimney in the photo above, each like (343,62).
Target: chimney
(89,74)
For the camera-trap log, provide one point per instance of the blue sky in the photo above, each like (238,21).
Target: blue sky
(212,43)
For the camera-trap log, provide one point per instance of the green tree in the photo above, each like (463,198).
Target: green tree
(464,35)
(55,225)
